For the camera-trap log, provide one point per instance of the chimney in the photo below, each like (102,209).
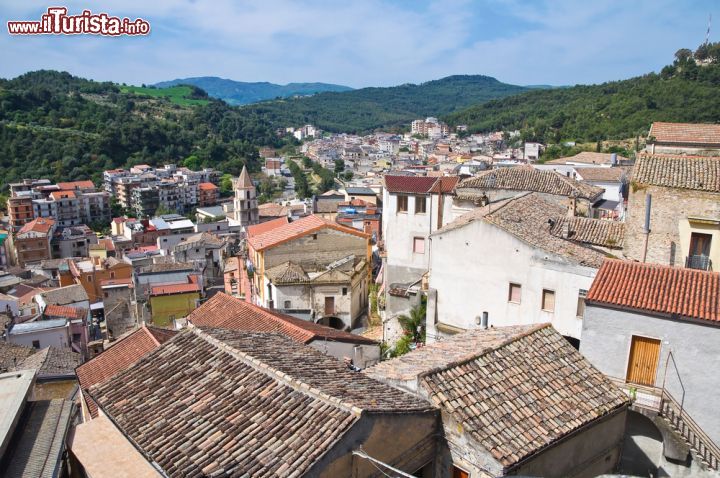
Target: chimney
(613,159)
(572,209)
(566,229)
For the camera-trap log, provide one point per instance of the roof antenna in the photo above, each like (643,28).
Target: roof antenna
(707,34)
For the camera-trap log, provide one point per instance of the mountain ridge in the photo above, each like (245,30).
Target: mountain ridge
(243,92)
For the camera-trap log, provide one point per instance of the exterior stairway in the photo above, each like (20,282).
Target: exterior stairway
(701,445)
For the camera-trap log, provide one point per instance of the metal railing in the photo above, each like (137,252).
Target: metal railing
(699,262)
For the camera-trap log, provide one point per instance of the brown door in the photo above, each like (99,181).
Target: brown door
(329,305)
(700,244)
(644,355)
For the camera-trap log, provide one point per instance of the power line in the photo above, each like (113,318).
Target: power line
(362,454)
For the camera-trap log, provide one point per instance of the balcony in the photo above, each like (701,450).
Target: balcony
(699,262)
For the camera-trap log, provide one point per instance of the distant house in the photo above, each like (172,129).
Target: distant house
(515,401)
(656,329)
(270,407)
(361,192)
(31,244)
(118,308)
(170,302)
(683,194)
(72,241)
(683,138)
(313,266)
(591,159)
(532,151)
(225,312)
(42,333)
(413,208)
(522,260)
(90,273)
(207,194)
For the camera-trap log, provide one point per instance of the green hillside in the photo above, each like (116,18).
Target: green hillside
(683,92)
(58,126)
(242,93)
(182,95)
(369,109)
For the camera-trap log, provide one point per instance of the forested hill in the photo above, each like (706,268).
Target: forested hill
(62,127)
(242,93)
(369,109)
(686,91)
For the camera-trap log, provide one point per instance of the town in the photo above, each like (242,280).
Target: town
(428,303)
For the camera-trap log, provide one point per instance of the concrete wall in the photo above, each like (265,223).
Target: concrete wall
(363,356)
(329,245)
(669,239)
(607,336)
(472,268)
(404,441)
(588,453)
(58,337)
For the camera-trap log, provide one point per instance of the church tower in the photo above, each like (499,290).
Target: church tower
(246,204)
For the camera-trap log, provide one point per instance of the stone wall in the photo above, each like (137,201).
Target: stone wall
(669,238)
(315,251)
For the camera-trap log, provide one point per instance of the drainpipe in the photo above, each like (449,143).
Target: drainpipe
(646,227)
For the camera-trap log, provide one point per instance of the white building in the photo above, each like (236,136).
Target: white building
(508,263)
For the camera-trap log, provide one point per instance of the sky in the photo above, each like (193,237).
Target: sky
(362,43)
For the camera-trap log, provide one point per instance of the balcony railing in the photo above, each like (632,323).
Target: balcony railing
(702,263)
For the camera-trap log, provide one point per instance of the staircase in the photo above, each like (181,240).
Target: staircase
(701,445)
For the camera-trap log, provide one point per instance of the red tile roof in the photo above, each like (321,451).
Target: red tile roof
(41,224)
(169,289)
(295,229)
(65,311)
(76,185)
(685,133)
(207,186)
(673,291)
(117,358)
(62,195)
(419,184)
(226,312)
(264,227)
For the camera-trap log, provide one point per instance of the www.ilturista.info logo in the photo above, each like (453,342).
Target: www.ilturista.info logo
(57,22)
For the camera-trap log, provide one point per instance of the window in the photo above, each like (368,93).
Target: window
(344,291)
(112,275)
(581,304)
(402,204)
(420,204)
(76,338)
(419,245)
(314,236)
(459,473)
(36,344)
(288,304)
(106,295)
(548,300)
(514,292)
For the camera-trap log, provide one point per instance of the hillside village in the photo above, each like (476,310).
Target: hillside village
(452,305)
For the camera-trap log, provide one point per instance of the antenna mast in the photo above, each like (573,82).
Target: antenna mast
(707,34)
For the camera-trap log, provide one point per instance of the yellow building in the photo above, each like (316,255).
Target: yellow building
(173,301)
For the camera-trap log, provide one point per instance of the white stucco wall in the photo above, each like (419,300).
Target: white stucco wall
(57,337)
(472,268)
(607,336)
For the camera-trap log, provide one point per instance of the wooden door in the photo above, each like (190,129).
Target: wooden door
(329,305)
(644,356)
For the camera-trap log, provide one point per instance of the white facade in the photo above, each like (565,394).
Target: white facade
(472,268)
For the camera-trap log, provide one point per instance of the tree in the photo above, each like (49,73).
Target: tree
(348,175)
(339,166)
(226,185)
(307,162)
(683,55)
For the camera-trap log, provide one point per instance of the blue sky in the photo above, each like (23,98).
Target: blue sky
(368,42)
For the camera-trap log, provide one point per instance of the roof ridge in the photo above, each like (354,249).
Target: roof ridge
(262,367)
(475,355)
(152,337)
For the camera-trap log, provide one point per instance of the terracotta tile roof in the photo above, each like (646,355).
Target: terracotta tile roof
(440,355)
(57,195)
(40,224)
(169,289)
(117,358)
(65,295)
(295,229)
(207,186)
(419,184)
(524,395)
(527,216)
(53,362)
(687,133)
(597,232)
(76,185)
(224,311)
(263,227)
(587,157)
(287,272)
(246,404)
(683,172)
(12,355)
(673,291)
(273,210)
(65,311)
(527,178)
(614,174)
